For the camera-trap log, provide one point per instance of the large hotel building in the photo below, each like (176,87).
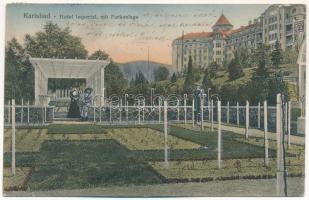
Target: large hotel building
(285,23)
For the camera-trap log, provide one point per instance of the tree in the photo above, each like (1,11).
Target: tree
(19,74)
(257,88)
(234,69)
(212,69)
(99,54)
(55,42)
(276,55)
(139,85)
(161,74)
(174,78)
(188,85)
(262,60)
(207,83)
(115,83)
(289,56)
(245,58)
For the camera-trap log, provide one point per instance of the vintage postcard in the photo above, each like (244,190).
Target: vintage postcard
(159,100)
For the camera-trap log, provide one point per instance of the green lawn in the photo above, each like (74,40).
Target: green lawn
(75,129)
(88,164)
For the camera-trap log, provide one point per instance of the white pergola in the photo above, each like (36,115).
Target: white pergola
(45,68)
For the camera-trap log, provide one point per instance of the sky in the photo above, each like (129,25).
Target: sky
(142,27)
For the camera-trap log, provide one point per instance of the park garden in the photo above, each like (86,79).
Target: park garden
(64,156)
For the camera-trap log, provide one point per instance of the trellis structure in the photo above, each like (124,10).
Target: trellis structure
(90,70)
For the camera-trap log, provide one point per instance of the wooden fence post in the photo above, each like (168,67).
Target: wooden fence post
(139,112)
(285,132)
(100,109)
(13,137)
(259,115)
(247,120)
(289,124)
(159,110)
(120,114)
(279,134)
(192,113)
(165,135)
(228,112)
(237,112)
(266,161)
(9,114)
(127,110)
(219,135)
(202,113)
(110,112)
(185,107)
(22,111)
(94,113)
(212,115)
(143,111)
(28,112)
(178,110)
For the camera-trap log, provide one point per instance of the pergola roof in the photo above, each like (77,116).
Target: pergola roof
(68,68)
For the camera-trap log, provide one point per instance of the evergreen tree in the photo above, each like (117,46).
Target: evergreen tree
(212,69)
(174,78)
(19,73)
(207,83)
(139,85)
(161,74)
(99,54)
(261,60)
(188,84)
(115,83)
(276,55)
(257,89)
(234,69)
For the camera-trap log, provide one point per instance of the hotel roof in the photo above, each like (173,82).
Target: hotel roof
(222,21)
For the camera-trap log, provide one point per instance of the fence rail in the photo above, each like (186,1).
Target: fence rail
(123,113)
(30,115)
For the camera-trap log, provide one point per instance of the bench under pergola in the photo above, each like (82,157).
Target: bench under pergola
(90,70)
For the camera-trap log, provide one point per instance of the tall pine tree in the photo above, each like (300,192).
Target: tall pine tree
(235,69)
(188,84)
(276,55)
